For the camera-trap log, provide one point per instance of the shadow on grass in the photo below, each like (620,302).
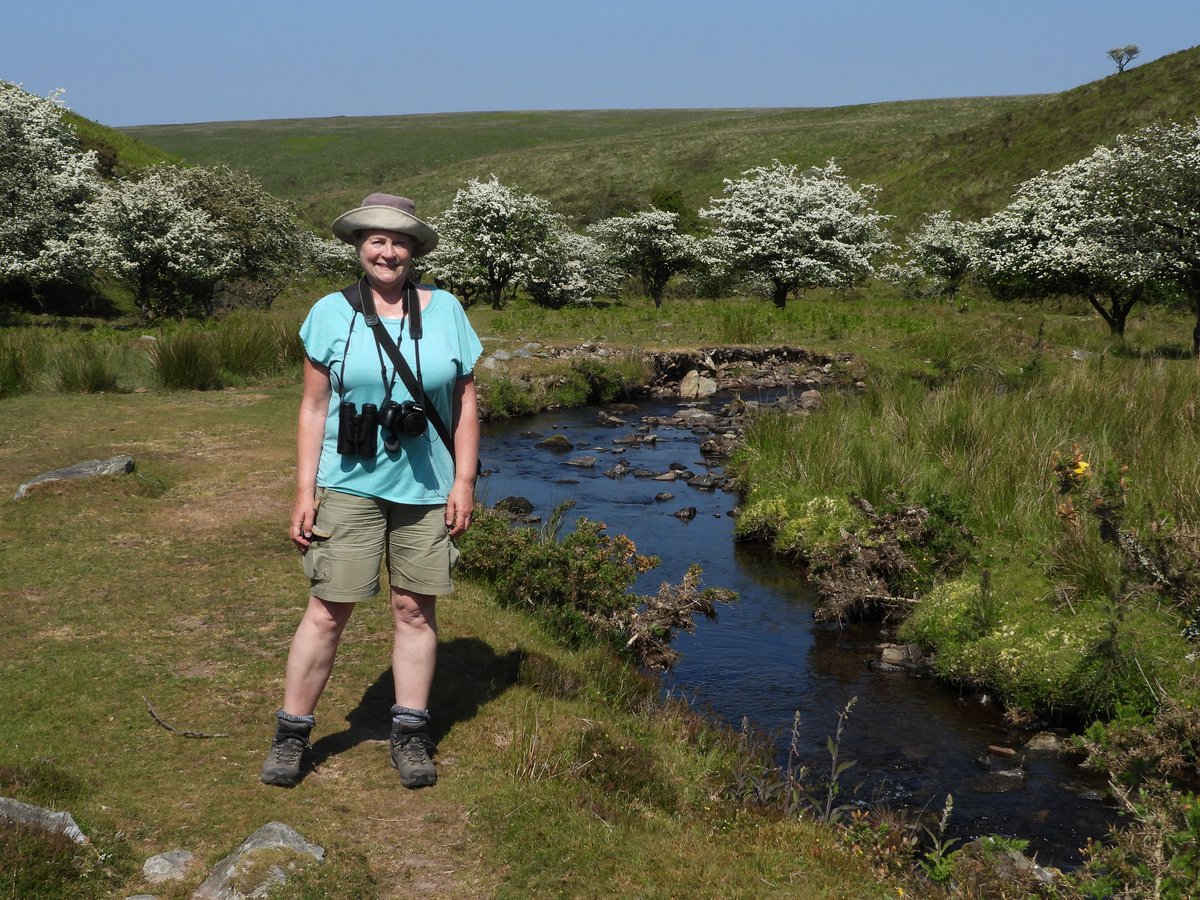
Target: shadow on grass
(469,675)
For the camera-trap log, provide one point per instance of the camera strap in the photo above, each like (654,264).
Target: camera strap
(360,299)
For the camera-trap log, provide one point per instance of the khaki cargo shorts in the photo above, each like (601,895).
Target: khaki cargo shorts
(344,567)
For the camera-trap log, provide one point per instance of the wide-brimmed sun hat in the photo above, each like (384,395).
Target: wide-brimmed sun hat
(386,212)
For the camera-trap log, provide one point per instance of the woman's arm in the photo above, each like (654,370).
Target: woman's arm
(310,434)
(465,434)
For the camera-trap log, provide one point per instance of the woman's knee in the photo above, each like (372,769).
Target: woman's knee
(327,618)
(414,610)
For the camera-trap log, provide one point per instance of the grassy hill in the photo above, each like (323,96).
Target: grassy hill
(973,170)
(965,154)
(119,153)
(589,164)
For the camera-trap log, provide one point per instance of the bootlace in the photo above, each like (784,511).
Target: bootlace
(289,748)
(415,748)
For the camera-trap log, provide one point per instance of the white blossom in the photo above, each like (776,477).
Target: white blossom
(45,178)
(488,239)
(796,230)
(939,251)
(569,269)
(648,246)
(1119,226)
(171,252)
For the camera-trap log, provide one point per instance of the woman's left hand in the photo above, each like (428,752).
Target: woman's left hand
(459,506)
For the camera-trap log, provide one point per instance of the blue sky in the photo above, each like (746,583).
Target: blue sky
(132,62)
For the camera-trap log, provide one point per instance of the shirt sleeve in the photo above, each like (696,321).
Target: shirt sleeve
(469,346)
(321,329)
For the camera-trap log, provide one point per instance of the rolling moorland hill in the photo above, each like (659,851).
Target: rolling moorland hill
(965,154)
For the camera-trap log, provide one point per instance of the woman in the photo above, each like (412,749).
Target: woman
(365,492)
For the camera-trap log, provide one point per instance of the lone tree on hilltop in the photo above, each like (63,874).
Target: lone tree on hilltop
(1123,56)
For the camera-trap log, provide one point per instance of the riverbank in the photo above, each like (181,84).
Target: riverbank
(1026,495)
(191,594)
(174,585)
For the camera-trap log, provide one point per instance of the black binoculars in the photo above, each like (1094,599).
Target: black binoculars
(358,432)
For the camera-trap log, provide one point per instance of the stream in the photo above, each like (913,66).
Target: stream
(913,740)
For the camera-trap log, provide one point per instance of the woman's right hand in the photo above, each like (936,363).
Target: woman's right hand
(304,514)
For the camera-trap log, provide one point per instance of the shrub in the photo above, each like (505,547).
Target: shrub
(186,360)
(21,356)
(573,584)
(610,380)
(247,345)
(83,367)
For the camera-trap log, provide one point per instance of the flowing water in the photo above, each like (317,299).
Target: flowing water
(913,740)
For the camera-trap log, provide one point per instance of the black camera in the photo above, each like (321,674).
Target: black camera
(403,418)
(358,433)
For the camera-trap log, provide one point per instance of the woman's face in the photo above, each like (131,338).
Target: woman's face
(386,256)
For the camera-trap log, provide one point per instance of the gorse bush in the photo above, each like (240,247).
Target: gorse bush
(573,584)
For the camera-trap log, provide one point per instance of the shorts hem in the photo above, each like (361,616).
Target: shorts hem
(433,590)
(330,596)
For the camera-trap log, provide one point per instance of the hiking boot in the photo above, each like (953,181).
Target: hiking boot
(282,765)
(412,752)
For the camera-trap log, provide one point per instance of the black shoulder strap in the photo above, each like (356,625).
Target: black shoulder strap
(361,300)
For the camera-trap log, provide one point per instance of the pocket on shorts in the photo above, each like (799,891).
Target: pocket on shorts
(454,555)
(316,563)
(315,559)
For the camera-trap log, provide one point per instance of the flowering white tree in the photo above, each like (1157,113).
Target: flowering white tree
(648,246)
(489,237)
(940,251)
(270,245)
(569,269)
(798,231)
(171,253)
(45,178)
(1119,226)
(1155,185)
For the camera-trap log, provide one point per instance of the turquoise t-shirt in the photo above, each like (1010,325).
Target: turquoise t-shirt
(421,472)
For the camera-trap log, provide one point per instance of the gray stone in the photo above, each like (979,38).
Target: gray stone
(87,469)
(502,356)
(582,462)
(900,654)
(556,442)
(38,817)
(174,865)
(1045,742)
(694,386)
(287,849)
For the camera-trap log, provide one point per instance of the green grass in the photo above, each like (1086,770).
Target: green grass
(965,154)
(177,584)
(589,165)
